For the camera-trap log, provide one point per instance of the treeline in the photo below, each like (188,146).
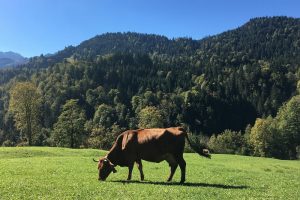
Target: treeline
(277,137)
(120,81)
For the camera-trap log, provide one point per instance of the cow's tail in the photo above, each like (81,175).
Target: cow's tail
(200,150)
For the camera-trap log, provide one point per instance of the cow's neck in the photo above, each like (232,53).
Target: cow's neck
(112,157)
(116,157)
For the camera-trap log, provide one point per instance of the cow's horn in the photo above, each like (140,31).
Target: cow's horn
(95,160)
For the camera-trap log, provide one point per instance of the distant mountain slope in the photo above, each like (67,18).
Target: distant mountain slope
(11,59)
(5,61)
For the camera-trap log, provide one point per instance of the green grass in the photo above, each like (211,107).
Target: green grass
(59,173)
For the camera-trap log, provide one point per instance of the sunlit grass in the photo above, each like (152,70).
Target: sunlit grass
(59,173)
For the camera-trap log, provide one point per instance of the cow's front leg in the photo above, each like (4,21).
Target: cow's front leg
(130,168)
(140,167)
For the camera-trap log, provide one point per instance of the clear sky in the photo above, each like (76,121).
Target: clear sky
(32,27)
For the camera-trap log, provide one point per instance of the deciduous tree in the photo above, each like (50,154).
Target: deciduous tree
(69,129)
(24,104)
(150,117)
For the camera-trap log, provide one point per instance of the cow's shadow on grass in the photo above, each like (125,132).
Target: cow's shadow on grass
(187,184)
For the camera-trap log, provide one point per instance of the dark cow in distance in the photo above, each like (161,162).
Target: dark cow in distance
(154,145)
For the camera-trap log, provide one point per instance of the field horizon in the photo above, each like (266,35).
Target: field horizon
(62,173)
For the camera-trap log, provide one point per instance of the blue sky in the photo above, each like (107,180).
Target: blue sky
(33,27)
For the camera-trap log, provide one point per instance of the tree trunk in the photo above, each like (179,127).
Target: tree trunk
(29,131)
(72,135)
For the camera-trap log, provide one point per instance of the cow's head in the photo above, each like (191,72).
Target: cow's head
(105,167)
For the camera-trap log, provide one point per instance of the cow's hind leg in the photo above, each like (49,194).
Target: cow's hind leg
(140,167)
(182,165)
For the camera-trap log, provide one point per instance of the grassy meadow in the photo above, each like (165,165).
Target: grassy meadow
(61,173)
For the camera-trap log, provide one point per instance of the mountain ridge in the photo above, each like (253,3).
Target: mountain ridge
(11,58)
(141,43)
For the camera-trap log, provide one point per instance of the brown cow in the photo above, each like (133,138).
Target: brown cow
(154,145)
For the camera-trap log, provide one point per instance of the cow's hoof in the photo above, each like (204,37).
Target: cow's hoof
(182,181)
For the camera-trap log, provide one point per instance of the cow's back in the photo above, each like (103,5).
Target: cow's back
(157,144)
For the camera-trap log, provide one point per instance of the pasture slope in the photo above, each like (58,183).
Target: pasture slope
(61,173)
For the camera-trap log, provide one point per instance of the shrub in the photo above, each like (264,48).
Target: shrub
(200,141)
(23,144)
(103,138)
(8,143)
(228,142)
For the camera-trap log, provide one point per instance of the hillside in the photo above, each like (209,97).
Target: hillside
(209,85)
(55,173)
(260,38)
(11,59)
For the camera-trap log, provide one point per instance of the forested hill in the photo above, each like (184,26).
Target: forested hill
(209,85)
(260,38)
(130,42)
